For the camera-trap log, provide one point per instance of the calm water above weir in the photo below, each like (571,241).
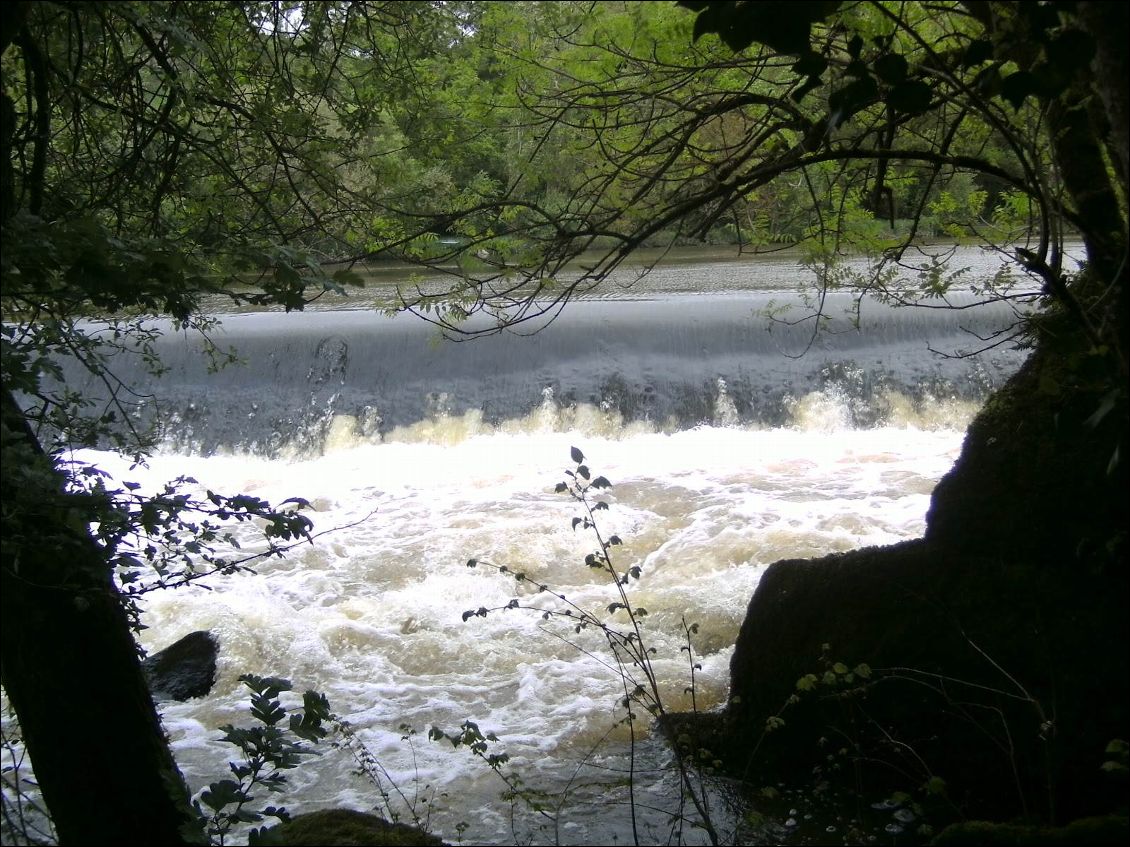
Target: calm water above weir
(725,455)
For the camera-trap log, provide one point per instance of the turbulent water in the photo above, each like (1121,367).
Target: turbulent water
(725,455)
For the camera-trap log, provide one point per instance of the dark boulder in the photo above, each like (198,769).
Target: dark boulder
(345,828)
(184,669)
(997,668)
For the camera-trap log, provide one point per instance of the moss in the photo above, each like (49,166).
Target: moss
(1111,829)
(344,828)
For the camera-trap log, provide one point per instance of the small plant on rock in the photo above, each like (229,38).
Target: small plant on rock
(268,750)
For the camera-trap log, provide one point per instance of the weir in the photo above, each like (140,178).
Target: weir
(670,363)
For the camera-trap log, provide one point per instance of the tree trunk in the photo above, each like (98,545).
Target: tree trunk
(71,670)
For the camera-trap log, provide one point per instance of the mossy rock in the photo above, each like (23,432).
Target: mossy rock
(1111,829)
(344,828)
(1000,637)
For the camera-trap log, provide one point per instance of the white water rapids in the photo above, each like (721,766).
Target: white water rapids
(422,460)
(372,614)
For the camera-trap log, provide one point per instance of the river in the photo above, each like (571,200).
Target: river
(731,442)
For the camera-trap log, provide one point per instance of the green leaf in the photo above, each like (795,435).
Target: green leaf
(935,785)
(220,794)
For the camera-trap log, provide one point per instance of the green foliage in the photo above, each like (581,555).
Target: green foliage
(175,538)
(267,750)
(1118,757)
(157,154)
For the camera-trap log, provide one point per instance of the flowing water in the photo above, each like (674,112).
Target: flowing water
(725,452)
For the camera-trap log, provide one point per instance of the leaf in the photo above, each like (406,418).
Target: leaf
(601,482)
(891,68)
(345,276)
(472,563)
(576,455)
(851,98)
(911,97)
(810,65)
(220,794)
(935,785)
(1017,87)
(576,522)
(614,540)
(560,488)
(977,52)
(782,26)
(583,471)
(810,84)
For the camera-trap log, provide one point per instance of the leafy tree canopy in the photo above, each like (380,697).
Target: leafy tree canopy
(158,155)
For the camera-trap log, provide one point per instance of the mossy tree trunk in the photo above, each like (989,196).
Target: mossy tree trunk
(68,660)
(71,670)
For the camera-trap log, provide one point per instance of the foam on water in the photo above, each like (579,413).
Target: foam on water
(372,614)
